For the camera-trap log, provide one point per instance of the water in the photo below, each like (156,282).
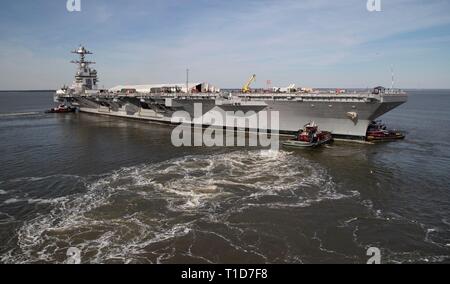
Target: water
(118,191)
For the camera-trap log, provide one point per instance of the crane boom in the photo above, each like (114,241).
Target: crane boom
(246,88)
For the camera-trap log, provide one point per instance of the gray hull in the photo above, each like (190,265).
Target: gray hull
(344,116)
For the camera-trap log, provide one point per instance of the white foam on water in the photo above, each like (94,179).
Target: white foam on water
(413,257)
(2,192)
(51,177)
(189,186)
(5,218)
(347,222)
(34,200)
(18,114)
(430,233)
(46,201)
(327,250)
(407,256)
(12,200)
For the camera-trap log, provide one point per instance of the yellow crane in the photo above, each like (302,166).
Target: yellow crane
(246,88)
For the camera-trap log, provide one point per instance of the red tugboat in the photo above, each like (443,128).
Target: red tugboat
(310,136)
(62,109)
(378,131)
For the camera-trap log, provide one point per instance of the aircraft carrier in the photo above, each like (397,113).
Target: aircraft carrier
(345,114)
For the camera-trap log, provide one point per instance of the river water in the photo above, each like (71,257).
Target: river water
(121,193)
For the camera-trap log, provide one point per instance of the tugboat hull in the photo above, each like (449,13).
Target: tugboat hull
(66,110)
(301,144)
(385,137)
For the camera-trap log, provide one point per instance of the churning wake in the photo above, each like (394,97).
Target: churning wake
(155,212)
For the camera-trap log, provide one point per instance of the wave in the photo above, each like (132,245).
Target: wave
(51,177)
(133,214)
(433,238)
(13,114)
(34,200)
(5,218)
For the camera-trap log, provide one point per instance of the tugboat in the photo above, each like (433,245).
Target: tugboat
(309,136)
(62,109)
(378,131)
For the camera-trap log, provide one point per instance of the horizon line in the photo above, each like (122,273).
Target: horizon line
(328,88)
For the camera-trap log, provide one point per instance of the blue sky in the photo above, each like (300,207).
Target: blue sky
(314,43)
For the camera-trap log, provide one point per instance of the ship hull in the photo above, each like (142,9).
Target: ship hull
(343,114)
(332,116)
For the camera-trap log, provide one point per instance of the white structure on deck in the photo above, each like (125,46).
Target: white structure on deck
(167,88)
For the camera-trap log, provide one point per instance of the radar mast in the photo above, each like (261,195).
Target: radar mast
(85,77)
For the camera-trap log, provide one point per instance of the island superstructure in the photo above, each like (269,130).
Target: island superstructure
(344,114)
